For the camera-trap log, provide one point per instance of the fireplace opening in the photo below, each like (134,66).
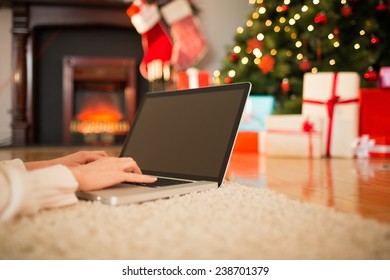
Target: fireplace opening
(100,117)
(99,98)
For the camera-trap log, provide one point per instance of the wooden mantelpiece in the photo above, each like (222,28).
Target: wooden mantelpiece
(29,14)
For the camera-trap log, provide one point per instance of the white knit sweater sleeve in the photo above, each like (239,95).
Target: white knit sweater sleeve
(25,192)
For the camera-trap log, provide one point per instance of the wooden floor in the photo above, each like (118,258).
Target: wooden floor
(353,186)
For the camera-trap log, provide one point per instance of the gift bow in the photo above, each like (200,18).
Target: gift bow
(307,128)
(330,104)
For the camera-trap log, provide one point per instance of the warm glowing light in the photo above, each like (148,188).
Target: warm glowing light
(276,28)
(297,16)
(255,15)
(282,20)
(287,28)
(262,10)
(216,73)
(299,56)
(257,53)
(97,115)
(330,36)
(279,9)
(252,2)
(316,2)
(97,127)
(298,44)
(260,36)
(268,22)
(289,53)
(231,73)
(249,23)
(343,2)
(291,21)
(332,62)
(310,28)
(237,49)
(287,2)
(293,36)
(244,60)
(240,30)
(336,44)
(356,46)
(304,8)
(257,60)
(273,52)
(314,70)
(362,32)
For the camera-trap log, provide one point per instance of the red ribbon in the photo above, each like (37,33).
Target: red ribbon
(330,104)
(307,128)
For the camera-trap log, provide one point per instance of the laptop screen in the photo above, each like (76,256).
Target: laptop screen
(187,133)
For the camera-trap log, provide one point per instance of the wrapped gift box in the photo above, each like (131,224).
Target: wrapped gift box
(374,112)
(257,108)
(293,136)
(334,97)
(192,78)
(249,142)
(252,125)
(384,77)
(381,147)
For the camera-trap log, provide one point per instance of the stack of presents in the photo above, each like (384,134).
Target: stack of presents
(339,119)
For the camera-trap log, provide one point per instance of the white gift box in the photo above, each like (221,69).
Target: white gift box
(293,136)
(334,97)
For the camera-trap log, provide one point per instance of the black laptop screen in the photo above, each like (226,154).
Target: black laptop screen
(188,133)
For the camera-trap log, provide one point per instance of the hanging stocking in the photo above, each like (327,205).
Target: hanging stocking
(189,44)
(156,41)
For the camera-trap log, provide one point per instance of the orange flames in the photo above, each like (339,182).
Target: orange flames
(99,119)
(101,113)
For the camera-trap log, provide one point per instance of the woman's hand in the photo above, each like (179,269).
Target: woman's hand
(74,159)
(79,158)
(108,171)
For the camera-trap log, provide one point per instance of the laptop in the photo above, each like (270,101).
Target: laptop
(184,136)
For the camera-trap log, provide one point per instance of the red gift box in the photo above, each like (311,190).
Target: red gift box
(247,142)
(192,78)
(375,112)
(381,147)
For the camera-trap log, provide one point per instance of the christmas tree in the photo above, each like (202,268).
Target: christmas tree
(284,39)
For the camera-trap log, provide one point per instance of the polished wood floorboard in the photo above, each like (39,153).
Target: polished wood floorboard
(360,186)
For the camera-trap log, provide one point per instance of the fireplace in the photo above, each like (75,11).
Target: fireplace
(46,33)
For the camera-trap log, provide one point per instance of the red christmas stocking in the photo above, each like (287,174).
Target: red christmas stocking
(156,41)
(189,44)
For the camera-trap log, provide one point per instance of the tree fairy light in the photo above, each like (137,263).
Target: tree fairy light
(257,52)
(260,36)
(232,73)
(244,60)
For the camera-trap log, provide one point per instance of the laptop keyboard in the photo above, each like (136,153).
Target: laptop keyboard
(161,182)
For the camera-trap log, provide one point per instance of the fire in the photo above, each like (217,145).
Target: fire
(102,113)
(100,116)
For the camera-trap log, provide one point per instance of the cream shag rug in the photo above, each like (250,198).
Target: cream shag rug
(232,222)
